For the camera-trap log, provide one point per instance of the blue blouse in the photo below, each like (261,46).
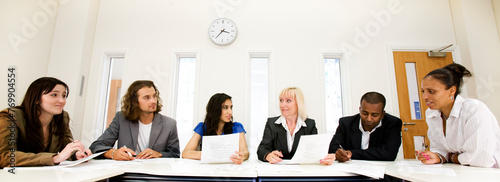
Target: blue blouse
(237,128)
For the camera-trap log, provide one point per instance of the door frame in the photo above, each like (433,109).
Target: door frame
(455,51)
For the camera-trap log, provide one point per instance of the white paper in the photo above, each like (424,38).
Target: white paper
(311,149)
(416,163)
(288,162)
(73,163)
(418,142)
(427,170)
(219,148)
(371,171)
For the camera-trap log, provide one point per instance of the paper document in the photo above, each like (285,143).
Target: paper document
(73,163)
(219,148)
(428,170)
(372,171)
(311,149)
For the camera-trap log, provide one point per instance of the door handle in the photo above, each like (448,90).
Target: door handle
(404,123)
(406,129)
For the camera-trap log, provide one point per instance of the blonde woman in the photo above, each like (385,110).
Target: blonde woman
(282,133)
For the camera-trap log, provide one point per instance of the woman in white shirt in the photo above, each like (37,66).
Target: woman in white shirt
(461,131)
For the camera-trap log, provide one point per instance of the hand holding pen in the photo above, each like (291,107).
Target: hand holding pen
(421,152)
(274,157)
(427,157)
(79,154)
(68,151)
(341,154)
(123,154)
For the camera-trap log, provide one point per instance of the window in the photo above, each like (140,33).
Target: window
(259,99)
(333,93)
(113,77)
(185,98)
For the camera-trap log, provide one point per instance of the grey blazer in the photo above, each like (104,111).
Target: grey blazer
(163,137)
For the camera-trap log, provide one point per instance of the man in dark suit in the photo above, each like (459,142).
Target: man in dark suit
(370,135)
(140,129)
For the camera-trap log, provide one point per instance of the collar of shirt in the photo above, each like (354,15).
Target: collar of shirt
(290,137)
(455,110)
(144,124)
(457,106)
(363,130)
(281,120)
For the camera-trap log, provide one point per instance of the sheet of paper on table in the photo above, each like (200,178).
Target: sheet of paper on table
(219,148)
(311,149)
(74,163)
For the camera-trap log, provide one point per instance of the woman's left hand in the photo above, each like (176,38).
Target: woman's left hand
(238,157)
(328,160)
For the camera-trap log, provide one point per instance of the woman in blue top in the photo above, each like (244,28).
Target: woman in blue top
(218,121)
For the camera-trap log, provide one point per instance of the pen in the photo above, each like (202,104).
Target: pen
(421,151)
(73,141)
(340,145)
(127,152)
(349,158)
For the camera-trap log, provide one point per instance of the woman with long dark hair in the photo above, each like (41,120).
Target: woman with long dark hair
(461,130)
(218,121)
(37,132)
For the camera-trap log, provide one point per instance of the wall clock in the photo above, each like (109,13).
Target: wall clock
(222,31)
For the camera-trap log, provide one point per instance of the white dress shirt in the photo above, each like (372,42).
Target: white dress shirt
(289,138)
(143,137)
(365,135)
(471,129)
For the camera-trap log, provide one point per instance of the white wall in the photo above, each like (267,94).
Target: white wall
(26,31)
(477,34)
(296,33)
(70,55)
(496,10)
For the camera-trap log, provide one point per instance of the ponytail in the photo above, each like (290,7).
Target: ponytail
(451,75)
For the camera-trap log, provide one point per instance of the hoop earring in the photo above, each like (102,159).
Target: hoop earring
(452,97)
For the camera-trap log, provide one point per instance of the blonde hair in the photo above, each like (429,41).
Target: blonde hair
(296,93)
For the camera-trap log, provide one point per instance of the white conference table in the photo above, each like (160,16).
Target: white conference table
(252,170)
(40,174)
(463,173)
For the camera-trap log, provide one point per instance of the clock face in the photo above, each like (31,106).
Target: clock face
(222,31)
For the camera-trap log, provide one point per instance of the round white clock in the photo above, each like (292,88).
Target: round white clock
(222,31)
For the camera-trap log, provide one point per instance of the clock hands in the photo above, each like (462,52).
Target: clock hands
(223,30)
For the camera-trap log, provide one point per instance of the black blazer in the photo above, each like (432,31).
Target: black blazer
(384,141)
(274,138)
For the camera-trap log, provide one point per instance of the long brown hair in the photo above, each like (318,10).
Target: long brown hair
(130,103)
(214,110)
(32,110)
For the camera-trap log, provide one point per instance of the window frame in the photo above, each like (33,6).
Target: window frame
(345,84)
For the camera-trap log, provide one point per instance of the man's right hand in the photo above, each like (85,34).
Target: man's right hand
(122,155)
(343,155)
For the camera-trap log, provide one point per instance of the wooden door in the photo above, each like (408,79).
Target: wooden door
(410,68)
(114,100)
